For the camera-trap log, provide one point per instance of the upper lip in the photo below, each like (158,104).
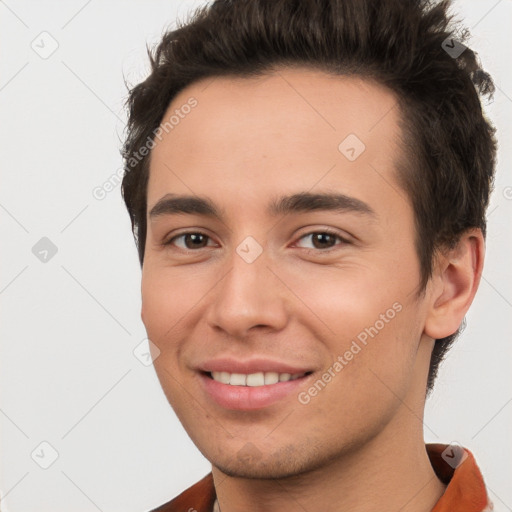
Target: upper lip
(254,365)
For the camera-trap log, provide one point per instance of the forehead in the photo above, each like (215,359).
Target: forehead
(334,103)
(292,127)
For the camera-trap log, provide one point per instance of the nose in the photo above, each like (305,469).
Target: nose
(249,296)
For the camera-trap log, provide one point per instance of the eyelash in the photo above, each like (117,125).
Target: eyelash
(322,231)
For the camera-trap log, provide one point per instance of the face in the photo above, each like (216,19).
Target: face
(319,288)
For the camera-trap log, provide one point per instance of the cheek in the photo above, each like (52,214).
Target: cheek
(173,301)
(371,376)
(167,297)
(370,323)
(165,303)
(347,300)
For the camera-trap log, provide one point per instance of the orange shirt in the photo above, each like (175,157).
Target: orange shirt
(465,491)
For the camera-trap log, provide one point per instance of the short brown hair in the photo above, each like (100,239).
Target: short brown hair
(410,46)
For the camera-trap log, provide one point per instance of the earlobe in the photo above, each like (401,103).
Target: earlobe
(456,280)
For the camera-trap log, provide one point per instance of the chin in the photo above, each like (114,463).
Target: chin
(250,463)
(259,471)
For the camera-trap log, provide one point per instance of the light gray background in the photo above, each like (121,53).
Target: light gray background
(68,373)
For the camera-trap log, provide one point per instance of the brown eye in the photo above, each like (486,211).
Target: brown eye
(323,240)
(191,240)
(320,240)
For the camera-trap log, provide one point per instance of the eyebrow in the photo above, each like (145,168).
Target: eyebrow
(174,204)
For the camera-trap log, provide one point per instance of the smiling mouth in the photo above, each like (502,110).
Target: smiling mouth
(257,379)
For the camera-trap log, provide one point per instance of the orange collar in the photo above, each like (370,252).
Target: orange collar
(454,466)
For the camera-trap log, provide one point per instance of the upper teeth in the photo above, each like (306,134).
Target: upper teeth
(253,379)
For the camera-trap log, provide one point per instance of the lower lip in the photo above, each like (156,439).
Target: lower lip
(249,398)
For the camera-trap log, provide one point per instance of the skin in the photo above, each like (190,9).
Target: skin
(353,445)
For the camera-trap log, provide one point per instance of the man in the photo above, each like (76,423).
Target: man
(307,184)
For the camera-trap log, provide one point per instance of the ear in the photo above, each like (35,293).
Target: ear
(454,284)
